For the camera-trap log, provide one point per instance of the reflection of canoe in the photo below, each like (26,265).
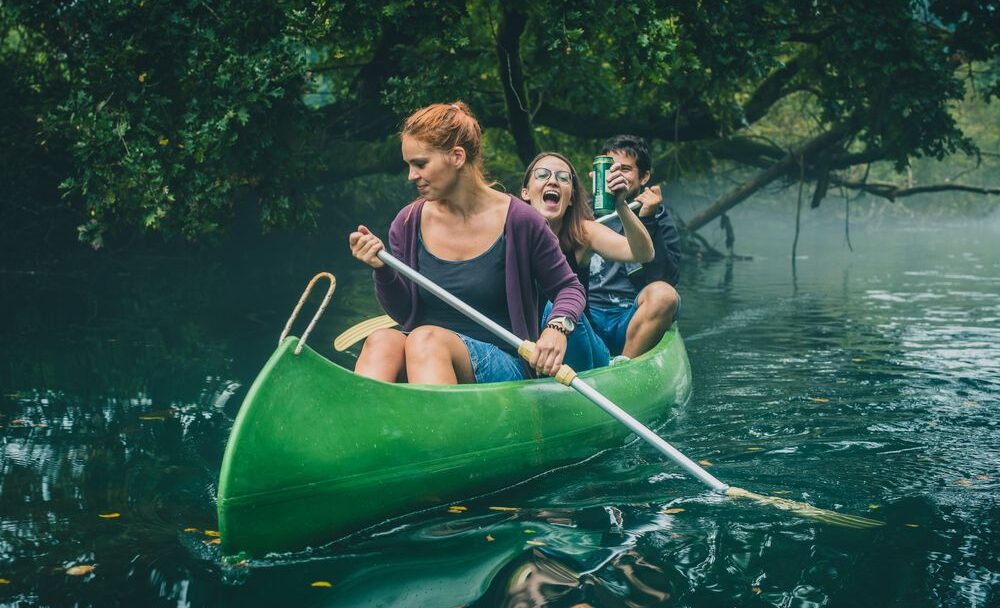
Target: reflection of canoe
(317,452)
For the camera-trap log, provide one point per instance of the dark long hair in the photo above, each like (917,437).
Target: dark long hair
(572,231)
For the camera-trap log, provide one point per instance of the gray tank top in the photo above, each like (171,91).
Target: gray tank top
(480,282)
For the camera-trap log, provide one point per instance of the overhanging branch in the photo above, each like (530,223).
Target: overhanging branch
(734,197)
(891,191)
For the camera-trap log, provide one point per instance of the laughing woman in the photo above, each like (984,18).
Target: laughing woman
(485,247)
(551,186)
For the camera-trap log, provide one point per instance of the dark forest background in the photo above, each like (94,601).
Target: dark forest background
(176,121)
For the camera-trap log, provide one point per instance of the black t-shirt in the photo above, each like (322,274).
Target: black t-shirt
(480,282)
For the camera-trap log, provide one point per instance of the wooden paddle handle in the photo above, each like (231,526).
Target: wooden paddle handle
(565,375)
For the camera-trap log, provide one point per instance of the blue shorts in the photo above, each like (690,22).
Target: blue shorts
(491,364)
(584,350)
(611,322)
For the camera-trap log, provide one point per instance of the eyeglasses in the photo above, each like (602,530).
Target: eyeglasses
(563,177)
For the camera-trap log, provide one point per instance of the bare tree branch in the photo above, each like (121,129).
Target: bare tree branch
(891,191)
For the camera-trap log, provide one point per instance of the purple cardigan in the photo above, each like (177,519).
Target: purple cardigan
(533,258)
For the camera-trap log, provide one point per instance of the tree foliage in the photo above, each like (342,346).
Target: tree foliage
(156,115)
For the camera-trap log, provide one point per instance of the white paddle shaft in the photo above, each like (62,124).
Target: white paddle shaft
(582,387)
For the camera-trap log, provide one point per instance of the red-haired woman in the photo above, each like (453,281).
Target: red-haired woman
(487,248)
(552,186)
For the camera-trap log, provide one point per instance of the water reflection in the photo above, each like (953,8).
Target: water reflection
(871,389)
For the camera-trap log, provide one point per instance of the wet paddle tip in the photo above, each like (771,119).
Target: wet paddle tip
(806,510)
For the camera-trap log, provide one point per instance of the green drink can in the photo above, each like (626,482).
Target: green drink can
(604,200)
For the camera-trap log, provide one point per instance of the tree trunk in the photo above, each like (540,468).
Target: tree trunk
(512,24)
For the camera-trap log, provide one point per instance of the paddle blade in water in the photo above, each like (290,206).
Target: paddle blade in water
(806,510)
(362,330)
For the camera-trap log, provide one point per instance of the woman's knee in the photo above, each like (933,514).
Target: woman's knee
(428,341)
(385,341)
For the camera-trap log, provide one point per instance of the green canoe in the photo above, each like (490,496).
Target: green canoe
(317,452)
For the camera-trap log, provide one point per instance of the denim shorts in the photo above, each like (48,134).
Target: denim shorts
(611,322)
(491,364)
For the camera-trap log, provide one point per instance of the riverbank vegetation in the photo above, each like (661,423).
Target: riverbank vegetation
(172,119)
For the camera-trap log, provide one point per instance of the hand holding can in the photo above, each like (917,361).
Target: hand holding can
(617,183)
(604,202)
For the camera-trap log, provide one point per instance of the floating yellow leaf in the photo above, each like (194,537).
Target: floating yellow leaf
(857,360)
(191,529)
(80,570)
(504,509)
(754,448)
(109,515)
(4,581)
(321,584)
(535,543)
(581,606)
(755,589)
(489,538)
(705,463)
(819,399)
(211,533)
(142,77)
(964,482)
(457,508)
(911,525)
(164,141)
(672,511)
(529,531)
(214,541)
(873,507)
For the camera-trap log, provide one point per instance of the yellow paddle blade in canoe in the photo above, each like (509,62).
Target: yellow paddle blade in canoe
(361,331)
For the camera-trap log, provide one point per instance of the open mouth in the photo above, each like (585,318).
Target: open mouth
(551,196)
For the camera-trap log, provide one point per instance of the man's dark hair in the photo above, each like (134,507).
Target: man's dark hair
(632,145)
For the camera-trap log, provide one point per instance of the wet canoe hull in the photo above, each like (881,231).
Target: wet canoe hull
(317,452)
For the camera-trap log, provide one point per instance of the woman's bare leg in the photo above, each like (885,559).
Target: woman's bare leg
(382,356)
(437,356)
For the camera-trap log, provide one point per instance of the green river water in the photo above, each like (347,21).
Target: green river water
(868,383)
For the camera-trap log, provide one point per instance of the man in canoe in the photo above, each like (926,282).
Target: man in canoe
(487,248)
(632,305)
(552,186)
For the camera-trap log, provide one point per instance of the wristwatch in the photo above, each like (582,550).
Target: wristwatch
(565,325)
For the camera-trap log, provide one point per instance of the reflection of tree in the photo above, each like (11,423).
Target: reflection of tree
(539,578)
(118,331)
(65,460)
